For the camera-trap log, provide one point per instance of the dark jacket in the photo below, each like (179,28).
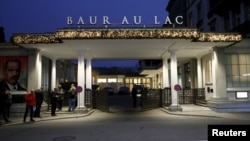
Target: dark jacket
(39,96)
(3,85)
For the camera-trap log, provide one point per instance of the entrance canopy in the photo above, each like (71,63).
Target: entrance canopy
(125,43)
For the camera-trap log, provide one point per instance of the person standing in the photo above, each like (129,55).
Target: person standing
(54,95)
(8,102)
(60,98)
(134,95)
(3,105)
(72,98)
(39,102)
(30,100)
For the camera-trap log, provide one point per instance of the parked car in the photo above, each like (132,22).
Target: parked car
(110,90)
(124,91)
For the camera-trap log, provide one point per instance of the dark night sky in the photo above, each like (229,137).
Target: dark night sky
(40,16)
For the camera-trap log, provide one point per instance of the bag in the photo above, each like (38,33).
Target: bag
(73,93)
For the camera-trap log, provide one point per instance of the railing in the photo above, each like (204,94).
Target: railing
(88,98)
(151,98)
(100,100)
(166,97)
(185,96)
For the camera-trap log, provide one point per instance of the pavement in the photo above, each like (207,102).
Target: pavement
(202,111)
(46,116)
(187,110)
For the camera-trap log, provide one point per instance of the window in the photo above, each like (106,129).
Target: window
(208,71)
(112,80)
(187,75)
(238,70)
(120,80)
(101,80)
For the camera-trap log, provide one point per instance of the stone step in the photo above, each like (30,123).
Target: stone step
(201,103)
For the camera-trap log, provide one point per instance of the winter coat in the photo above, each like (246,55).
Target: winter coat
(30,99)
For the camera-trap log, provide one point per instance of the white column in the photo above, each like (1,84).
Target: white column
(165,73)
(53,74)
(219,74)
(199,72)
(39,66)
(174,77)
(81,80)
(33,70)
(89,74)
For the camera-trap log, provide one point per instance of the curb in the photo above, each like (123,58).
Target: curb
(185,114)
(49,118)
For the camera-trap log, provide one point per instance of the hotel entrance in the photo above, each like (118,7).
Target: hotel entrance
(179,50)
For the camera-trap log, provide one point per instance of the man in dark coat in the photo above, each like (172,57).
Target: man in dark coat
(134,95)
(39,101)
(3,104)
(54,96)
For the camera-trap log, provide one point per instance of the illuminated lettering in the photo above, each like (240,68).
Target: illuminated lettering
(168,21)
(137,22)
(125,20)
(178,18)
(69,20)
(91,20)
(106,20)
(80,21)
(156,20)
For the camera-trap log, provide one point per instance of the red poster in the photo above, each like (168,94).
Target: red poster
(14,72)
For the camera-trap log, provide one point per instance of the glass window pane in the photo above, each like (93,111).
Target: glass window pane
(131,80)
(229,81)
(235,70)
(120,80)
(101,80)
(238,70)
(235,78)
(110,80)
(243,69)
(236,81)
(139,81)
(228,70)
(248,81)
(242,59)
(135,80)
(248,59)
(228,59)
(248,69)
(243,81)
(234,59)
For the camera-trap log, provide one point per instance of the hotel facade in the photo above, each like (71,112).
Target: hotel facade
(197,57)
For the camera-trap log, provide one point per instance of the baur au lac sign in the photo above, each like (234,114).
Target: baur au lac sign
(134,20)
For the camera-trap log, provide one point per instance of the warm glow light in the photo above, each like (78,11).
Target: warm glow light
(158,33)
